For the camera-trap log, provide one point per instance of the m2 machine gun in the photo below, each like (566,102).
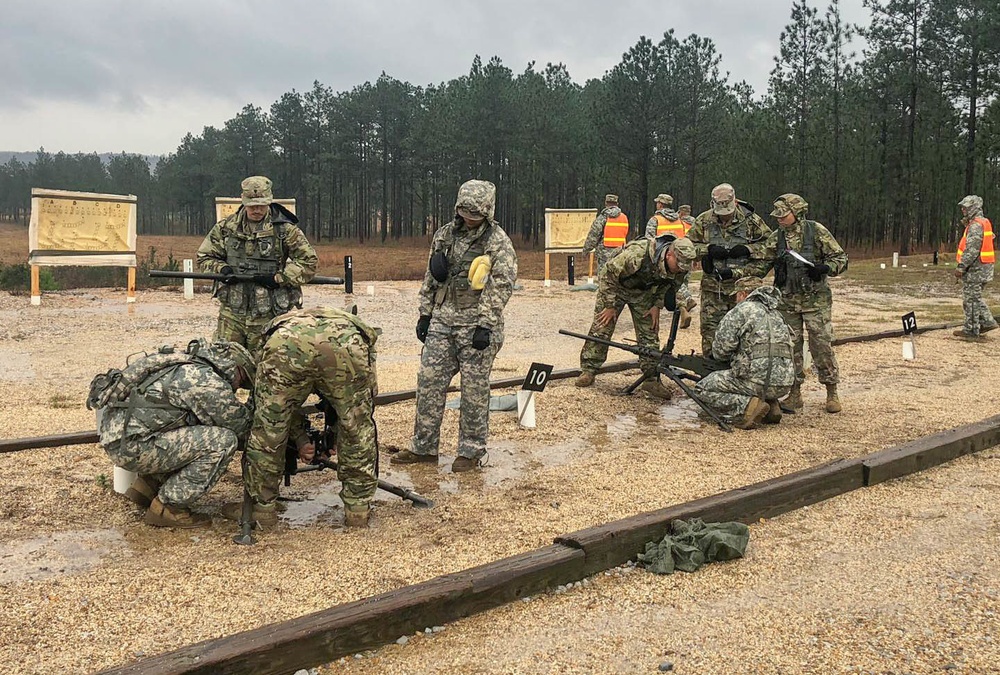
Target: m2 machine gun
(675,367)
(232,278)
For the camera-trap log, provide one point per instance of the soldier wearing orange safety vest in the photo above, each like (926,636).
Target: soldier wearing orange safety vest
(975,257)
(608,233)
(667,221)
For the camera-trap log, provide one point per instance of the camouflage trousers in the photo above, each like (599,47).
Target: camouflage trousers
(603,255)
(729,395)
(593,355)
(714,306)
(247,331)
(684,296)
(289,370)
(447,351)
(977,313)
(819,324)
(188,460)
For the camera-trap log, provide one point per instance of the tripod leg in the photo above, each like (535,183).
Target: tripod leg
(694,397)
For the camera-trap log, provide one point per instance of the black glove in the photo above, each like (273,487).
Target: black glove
(718,252)
(739,251)
(228,273)
(423,324)
(724,274)
(266,280)
(707,266)
(816,272)
(481,338)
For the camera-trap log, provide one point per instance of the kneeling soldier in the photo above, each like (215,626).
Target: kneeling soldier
(332,353)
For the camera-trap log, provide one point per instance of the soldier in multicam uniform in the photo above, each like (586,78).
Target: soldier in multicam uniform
(174,419)
(722,236)
(667,221)
(976,257)
(803,254)
(332,353)
(755,340)
(262,239)
(608,233)
(646,277)
(461,325)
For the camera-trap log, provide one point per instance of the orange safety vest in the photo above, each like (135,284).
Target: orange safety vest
(616,231)
(678,228)
(986,255)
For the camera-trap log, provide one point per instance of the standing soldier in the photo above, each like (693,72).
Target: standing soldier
(721,237)
(684,211)
(803,254)
(755,340)
(470,277)
(261,239)
(608,233)
(646,277)
(667,221)
(976,255)
(332,353)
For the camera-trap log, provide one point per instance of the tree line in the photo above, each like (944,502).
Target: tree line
(882,143)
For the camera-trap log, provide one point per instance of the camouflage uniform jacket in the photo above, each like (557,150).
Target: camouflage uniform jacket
(632,277)
(273,246)
(195,393)
(595,237)
(651,224)
(453,302)
(798,291)
(974,269)
(756,341)
(746,227)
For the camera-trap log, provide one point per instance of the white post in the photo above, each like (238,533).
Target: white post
(526,408)
(807,360)
(909,349)
(123,479)
(188,283)
(370,290)
(895,259)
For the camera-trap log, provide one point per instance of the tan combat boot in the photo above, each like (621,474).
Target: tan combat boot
(356,516)
(164,515)
(655,388)
(685,319)
(585,379)
(832,400)
(773,415)
(753,414)
(265,515)
(462,464)
(143,491)
(794,398)
(408,457)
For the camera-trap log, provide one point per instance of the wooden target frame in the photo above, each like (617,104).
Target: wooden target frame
(565,232)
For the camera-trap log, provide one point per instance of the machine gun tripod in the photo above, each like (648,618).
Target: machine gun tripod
(676,368)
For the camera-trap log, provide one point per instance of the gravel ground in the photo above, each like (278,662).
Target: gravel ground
(86,585)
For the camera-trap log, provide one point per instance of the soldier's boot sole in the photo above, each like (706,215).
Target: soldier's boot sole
(407,457)
(143,491)
(832,400)
(265,516)
(584,379)
(773,415)
(753,414)
(462,464)
(161,515)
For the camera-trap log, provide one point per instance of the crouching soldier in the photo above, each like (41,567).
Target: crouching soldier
(332,353)
(173,418)
(754,338)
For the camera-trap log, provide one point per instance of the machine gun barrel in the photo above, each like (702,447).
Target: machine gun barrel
(634,349)
(170,274)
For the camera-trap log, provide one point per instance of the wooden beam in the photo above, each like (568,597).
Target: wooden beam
(58,440)
(929,451)
(618,542)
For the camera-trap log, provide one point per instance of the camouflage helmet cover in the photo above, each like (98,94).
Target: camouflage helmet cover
(476,199)
(226,356)
(256,191)
(683,248)
(748,284)
(610,199)
(971,201)
(789,203)
(723,199)
(664,198)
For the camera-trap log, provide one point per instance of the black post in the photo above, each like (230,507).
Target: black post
(348,275)
(572,271)
(935,258)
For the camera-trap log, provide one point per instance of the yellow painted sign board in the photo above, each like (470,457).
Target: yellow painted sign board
(566,229)
(81,228)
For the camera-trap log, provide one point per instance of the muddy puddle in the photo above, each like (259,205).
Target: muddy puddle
(56,554)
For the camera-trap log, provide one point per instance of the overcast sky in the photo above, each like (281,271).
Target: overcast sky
(114,75)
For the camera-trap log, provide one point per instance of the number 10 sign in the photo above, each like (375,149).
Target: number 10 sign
(537,377)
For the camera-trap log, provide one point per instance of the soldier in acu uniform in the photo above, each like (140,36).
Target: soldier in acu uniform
(684,211)
(722,236)
(667,221)
(261,239)
(646,277)
(804,254)
(332,353)
(608,233)
(173,418)
(755,340)
(976,257)
(470,278)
